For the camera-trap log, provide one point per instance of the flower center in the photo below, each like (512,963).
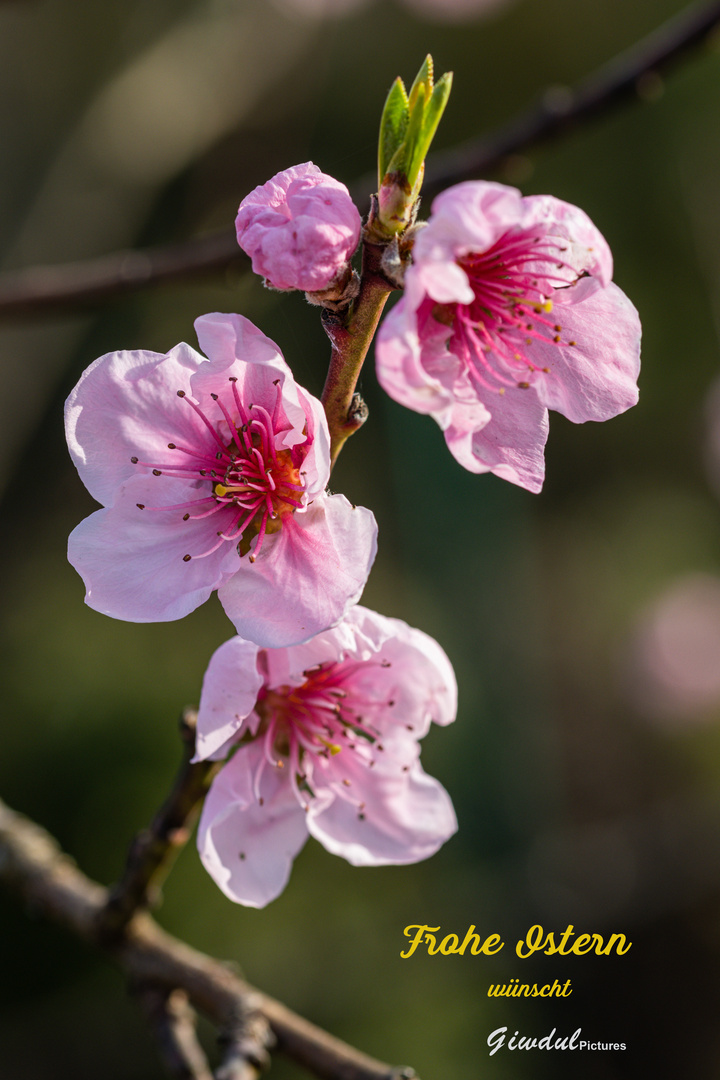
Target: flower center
(513,282)
(250,485)
(317,720)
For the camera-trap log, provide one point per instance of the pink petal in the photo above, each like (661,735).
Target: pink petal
(406,816)
(404,351)
(306,576)
(596,378)
(131,560)
(587,249)
(511,444)
(468,217)
(248,849)
(125,405)
(287,667)
(226,338)
(230,688)
(419,679)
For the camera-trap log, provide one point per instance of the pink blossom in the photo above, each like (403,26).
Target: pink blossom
(509,310)
(212,476)
(300,229)
(326,743)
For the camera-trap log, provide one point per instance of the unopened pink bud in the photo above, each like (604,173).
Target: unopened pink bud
(300,228)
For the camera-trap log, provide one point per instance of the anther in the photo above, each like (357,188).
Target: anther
(187,558)
(172,446)
(140,506)
(572,342)
(214,397)
(181,393)
(523,386)
(186,517)
(556,339)
(232,378)
(134,460)
(157,472)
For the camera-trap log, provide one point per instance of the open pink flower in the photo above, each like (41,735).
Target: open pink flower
(508,311)
(326,743)
(212,476)
(300,229)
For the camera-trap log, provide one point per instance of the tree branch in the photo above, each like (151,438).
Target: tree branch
(350,337)
(155,849)
(65,287)
(68,286)
(32,865)
(173,1022)
(561,108)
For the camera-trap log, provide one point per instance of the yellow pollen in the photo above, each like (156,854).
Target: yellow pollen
(546,307)
(332,747)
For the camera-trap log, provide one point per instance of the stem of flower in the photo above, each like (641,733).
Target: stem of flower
(155,849)
(350,337)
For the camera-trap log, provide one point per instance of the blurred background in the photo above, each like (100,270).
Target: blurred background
(584,623)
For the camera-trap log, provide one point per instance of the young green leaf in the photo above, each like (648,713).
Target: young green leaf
(393,125)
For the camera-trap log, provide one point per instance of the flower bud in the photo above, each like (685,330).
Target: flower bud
(300,229)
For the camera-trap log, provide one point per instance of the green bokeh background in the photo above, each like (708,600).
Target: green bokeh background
(131,123)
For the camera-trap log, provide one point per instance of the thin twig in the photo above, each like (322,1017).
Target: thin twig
(155,849)
(245,1048)
(172,1020)
(350,339)
(560,108)
(65,287)
(33,866)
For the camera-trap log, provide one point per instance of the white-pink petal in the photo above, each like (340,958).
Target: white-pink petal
(230,688)
(248,847)
(126,405)
(132,560)
(404,816)
(306,576)
(596,378)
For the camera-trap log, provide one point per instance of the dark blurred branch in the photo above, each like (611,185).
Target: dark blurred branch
(154,850)
(73,285)
(172,1020)
(33,866)
(80,284)
(624,78)
(245,1053)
